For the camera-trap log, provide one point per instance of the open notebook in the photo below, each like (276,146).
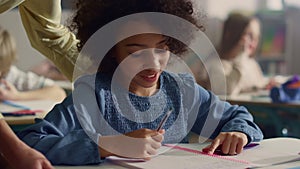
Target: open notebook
(24,112)
(279,152)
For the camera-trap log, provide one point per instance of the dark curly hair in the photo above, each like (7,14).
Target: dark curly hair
(91,15)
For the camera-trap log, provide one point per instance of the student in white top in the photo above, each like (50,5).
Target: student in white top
(19,85)
(48,69)
(237,52)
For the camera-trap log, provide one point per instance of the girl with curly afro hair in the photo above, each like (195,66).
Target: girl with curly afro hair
(120,110)
(95,14)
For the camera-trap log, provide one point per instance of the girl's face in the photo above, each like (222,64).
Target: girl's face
(142,58)
(251,36)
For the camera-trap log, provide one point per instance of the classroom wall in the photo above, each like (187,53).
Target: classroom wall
(220,8)
(293,58)
(26,55)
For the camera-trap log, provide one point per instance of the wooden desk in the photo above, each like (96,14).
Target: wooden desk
(66,85)
(275,119)
(257,98)
(270,150)
(20,122)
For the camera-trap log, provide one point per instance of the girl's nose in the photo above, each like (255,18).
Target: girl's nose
(151,60)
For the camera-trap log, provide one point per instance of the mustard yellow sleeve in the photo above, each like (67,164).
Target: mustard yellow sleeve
(1,116)
(41,20)
(6,5)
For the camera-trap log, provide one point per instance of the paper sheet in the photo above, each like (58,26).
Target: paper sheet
(270,154)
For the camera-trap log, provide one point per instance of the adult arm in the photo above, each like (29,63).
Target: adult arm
(42,22)
(17,153)
(6,5)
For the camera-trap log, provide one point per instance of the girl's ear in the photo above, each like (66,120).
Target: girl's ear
(167,48)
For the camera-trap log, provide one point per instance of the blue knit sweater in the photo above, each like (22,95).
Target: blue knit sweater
(100,106)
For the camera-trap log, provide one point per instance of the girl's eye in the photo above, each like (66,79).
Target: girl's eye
(147,52)
(136,54)
(160,51)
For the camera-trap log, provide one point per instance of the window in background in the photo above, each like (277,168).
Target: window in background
(294,3)
(275,4)
(215,9)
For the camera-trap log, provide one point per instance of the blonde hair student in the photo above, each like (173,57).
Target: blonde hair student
(93,123)
(20,85)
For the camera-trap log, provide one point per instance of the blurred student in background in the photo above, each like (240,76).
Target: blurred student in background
(47,69)
(237,50)
(19,85)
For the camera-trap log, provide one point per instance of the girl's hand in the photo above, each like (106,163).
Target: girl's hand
(229,142)
(142,143)
(8,91)
(272,83)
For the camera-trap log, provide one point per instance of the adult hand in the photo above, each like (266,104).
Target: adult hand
(30,159)
(229,142)
(142,143)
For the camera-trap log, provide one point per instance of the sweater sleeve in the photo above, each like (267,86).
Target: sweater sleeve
(215,116)
(60,137)
(41,21)
(6,5)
